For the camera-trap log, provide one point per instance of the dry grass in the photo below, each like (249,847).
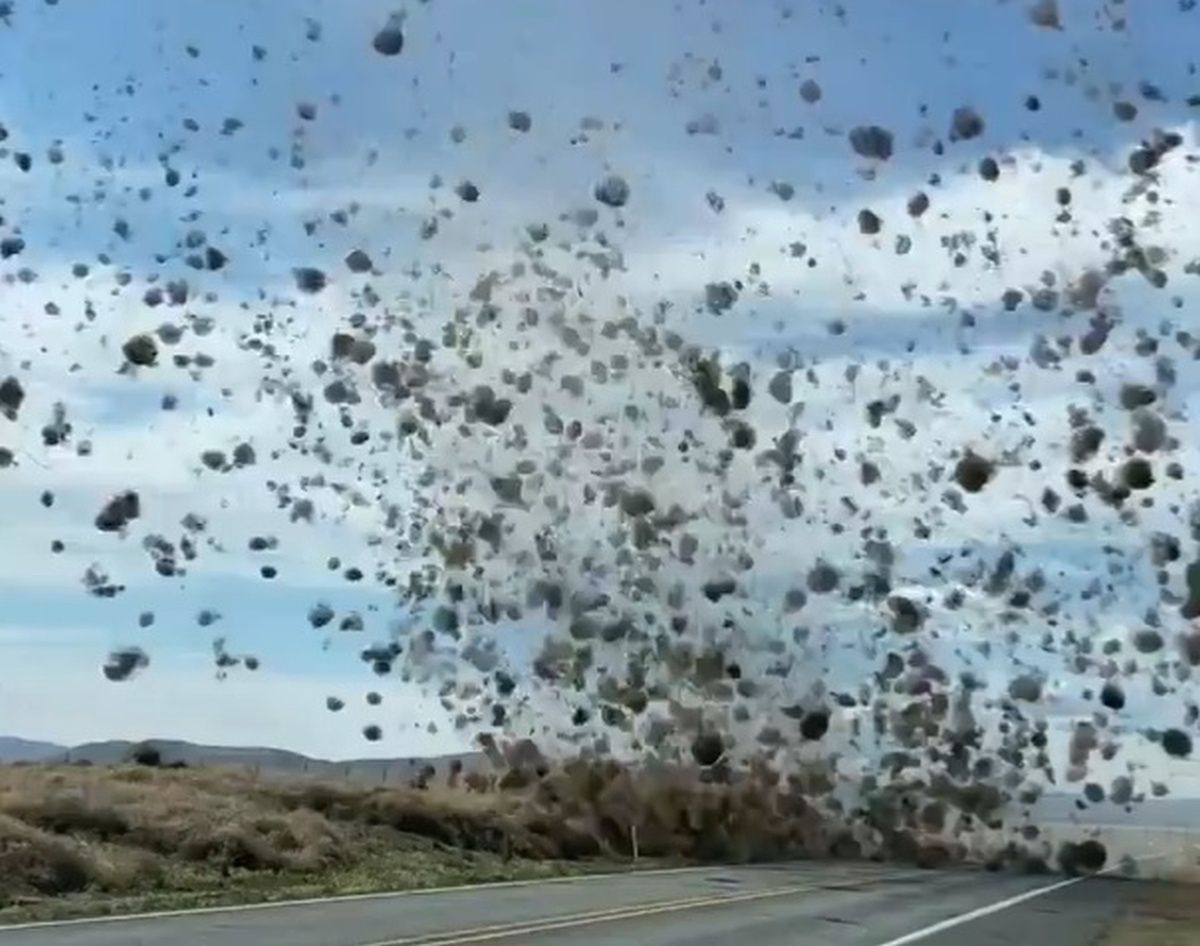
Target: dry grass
(77,840)
(1165,915)
(81,840)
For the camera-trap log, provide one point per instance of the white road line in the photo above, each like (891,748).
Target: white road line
(550,924)
(962,918)
(981,912)
(352,897)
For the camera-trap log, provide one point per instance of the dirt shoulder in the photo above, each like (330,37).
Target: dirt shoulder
(1162,915)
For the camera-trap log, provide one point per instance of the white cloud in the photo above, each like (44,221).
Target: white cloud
(52,689)
(670,245)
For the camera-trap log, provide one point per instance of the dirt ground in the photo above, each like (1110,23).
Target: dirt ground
(1165,915)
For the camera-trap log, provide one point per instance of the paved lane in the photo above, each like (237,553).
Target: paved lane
(921,909)
(796,905)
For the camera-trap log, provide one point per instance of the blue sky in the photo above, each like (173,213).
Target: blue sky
(115,84)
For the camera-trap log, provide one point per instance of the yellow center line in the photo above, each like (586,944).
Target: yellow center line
(547,924)
(496,927)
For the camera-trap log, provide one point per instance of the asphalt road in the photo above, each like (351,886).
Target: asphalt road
(796,905)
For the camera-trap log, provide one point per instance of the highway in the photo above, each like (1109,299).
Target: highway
(831,904)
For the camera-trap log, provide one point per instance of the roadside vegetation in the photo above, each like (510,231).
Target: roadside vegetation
(81,840)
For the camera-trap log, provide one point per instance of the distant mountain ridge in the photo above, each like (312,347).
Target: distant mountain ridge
(16,749)
(260,759)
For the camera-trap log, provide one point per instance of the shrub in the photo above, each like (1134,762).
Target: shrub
(144,754)
(65,814)
(232,848)
(31,860)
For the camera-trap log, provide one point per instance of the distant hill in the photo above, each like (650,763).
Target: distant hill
(261,759)
(15,749)
(1170,812)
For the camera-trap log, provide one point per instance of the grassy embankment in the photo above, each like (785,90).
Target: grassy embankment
(77,840)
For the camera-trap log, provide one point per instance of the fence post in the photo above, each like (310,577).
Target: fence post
(633,841)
